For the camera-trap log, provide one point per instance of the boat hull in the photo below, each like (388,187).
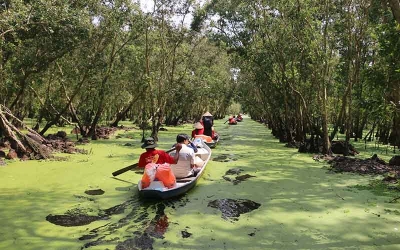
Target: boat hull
(163,195)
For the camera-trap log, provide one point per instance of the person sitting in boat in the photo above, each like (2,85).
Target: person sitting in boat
(187,165)
(198,130)
(156,164)
(214,134)
(239,117)
(151,152)
(190,145)
(208,122)
(232,120)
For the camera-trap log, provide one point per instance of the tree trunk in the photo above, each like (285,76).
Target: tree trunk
(22,83)
(60,113)
(395,6)
(7,130)
(370,133)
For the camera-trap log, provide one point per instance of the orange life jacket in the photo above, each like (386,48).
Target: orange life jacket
(205,138)
(160,172)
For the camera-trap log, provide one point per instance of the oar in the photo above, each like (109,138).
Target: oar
(122,180)
(125,169)
(226,121)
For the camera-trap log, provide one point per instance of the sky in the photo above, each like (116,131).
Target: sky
(148,5)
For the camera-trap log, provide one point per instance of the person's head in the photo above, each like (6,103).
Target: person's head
(198,125)
(149,143)
(182,138)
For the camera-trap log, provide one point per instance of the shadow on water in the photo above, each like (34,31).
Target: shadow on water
(94,192)
(232,209)
(185,233)
(79,217)
(237,179)
(225,158)
(140,224)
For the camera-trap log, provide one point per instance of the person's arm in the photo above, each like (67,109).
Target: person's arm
(193,134)
(168,158)
(191,145)
(142,162)
(178,148)
(192,157)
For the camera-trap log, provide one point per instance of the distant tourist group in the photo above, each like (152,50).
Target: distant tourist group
(233,120)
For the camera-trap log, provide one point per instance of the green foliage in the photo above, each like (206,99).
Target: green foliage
(304,62)
(35,34)
(299,63)
(234,109)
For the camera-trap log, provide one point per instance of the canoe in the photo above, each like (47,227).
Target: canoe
(208,140)
(157,190)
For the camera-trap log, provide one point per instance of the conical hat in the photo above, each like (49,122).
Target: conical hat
(198,125)
(207,114)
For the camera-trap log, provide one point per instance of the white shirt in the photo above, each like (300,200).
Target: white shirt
(183,168)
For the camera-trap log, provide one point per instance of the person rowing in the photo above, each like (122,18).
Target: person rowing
(232,120)
(151,152)
(156,164)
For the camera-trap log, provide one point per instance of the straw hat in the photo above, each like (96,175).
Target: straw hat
(198,125)
(207,114)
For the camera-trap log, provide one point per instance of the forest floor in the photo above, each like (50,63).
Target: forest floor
(255,194)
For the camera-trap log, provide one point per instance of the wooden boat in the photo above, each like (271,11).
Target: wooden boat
(157,190)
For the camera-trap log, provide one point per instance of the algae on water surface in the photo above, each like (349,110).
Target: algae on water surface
(295,203)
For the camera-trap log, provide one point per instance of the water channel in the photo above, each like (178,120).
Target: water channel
(255,194)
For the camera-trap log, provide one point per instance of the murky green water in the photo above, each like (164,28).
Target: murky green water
(285,201)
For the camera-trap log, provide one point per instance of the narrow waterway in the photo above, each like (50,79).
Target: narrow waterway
(255,194)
